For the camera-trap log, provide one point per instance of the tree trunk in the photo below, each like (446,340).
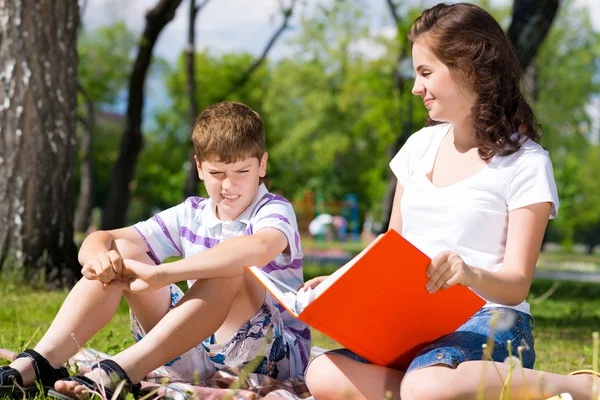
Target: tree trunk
(115,209)
(191,184)
(531,21)
(38,83)
(85,201)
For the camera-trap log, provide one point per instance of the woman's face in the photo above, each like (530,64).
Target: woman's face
(445,98)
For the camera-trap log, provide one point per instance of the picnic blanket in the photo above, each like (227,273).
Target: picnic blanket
(159,383)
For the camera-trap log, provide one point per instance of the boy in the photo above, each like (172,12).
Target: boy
(226,319)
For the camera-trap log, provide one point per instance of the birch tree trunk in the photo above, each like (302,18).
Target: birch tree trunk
(38,87)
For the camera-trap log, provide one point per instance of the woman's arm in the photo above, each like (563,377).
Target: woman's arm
(510,285)
(396,217)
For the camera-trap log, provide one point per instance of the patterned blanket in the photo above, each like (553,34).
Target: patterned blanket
(230,384)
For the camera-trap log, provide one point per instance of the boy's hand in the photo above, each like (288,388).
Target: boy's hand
(446,270)
(314,282)
(138,277)
(104,267)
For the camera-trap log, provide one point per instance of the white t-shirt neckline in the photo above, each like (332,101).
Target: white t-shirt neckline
(431,157)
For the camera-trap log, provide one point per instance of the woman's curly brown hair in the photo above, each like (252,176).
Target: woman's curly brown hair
(476,50)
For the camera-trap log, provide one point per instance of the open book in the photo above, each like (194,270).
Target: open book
(377,305)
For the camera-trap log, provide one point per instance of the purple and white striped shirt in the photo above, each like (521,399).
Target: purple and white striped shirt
(192,227)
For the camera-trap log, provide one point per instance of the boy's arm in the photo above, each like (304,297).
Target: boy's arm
(227,259)
(98,253)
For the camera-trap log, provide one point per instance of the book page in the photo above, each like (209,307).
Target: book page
(282,292)
(297,301)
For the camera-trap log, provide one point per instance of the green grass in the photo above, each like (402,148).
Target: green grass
(564,322)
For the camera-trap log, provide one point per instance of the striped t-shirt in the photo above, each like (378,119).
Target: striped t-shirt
(192,227)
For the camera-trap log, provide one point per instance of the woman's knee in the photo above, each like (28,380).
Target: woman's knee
(323,378)
(423,384)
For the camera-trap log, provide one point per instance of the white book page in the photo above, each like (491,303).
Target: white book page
(297,301)
(282,292)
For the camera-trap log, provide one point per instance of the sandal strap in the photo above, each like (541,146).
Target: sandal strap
(44,372)
(586,372)
(112,368)
(8,376)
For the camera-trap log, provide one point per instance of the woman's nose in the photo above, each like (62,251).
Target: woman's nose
(418,88)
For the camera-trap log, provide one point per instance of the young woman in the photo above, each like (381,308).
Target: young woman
(475,192)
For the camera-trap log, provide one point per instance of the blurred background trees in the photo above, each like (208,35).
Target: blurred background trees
(337,106)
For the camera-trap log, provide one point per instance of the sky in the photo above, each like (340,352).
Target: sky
(225,26)
(236,25)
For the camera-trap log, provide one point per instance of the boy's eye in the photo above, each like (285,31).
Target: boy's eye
(215,173)
(426,74)
(243,171)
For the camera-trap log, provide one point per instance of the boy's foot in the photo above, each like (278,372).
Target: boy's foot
(104,380)
(75,390)
(25,371)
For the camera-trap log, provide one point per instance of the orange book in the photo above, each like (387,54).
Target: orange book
(377,305)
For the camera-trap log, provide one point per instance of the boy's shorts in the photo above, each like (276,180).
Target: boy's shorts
(263,335)
(465,344)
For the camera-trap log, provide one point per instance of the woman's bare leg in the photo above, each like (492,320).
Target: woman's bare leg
(464,382)
(331,376)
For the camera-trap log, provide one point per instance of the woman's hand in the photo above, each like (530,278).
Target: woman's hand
(314,282)
(446,270)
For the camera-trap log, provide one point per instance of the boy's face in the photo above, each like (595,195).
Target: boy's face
(232,186)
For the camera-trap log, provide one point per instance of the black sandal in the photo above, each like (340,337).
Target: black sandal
(112,369)
(45,374)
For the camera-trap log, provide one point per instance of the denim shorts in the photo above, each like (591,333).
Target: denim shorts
(465,344)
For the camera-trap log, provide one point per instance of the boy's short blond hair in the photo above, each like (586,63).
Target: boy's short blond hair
(228,132)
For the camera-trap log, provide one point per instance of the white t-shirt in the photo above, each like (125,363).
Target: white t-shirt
(469,217)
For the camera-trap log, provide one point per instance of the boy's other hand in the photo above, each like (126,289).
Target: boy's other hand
(103,267)
(138,277)
(314,282)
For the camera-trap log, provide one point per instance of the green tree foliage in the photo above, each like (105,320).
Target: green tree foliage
(332,108)
(105,60)
(565,69)
(335,108)
(163,164)
(105,57)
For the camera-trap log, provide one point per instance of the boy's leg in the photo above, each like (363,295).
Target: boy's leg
(220,305)
(87,309)
(209,306)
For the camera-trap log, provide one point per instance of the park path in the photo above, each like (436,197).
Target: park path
(575,276)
